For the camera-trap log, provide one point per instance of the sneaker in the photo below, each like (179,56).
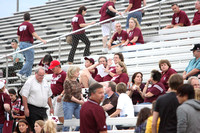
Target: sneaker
(19,75)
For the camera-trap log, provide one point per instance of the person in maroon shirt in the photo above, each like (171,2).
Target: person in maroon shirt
(133,5)
(179,18)
(134,33)
(107,26)
(167,71)
(25,34)
(92,115)
(77,23)
(196,19)
(57,82)
(45,62)
(89,62)
(120,36)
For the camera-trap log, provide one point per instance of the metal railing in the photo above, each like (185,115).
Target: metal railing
(67,34)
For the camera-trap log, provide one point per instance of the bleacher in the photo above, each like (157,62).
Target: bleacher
(53,19)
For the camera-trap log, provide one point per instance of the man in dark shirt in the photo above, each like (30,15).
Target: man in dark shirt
(166,106)
(92,116)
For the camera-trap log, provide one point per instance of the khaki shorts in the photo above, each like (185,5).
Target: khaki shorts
(106,28)
(58,107)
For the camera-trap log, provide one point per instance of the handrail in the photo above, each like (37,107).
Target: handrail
(87,27)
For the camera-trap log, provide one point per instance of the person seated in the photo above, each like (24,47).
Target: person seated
(50,126)
(120,36)
(196,19)
(45,62)
(89,62)
(142,120)
(179,18)
(134,33)
(152,93)
(167,71)
(124,103)
(194,81)
(22,127)
(39,126)
(136,87)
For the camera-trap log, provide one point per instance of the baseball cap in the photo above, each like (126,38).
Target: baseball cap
(196,47)
(14,40)
(2,84)
(53,64)
(90,59)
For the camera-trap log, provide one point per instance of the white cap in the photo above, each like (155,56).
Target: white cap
(2,84)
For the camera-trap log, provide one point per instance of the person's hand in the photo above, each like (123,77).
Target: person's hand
(59,98)
(44,41)
(93,22)
(51,111)
(119,13)
(26,112)
(184,77)
(81,102)
(109,62)
(137,88)
(133,87)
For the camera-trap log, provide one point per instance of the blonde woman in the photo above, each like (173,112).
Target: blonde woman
(38,126)
(134,33)
(72,95)
(50,126)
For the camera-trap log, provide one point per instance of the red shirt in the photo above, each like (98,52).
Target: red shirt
(156,89)
(46,67)
(136,32)
(57,83)
(4,98)
(196,19)
(95,73)
(136,4)
(76,21)
(92,118)
(180,17)
(120,78)
(25,31)
(165,77)
(103,9)
(108,77)
(122,36)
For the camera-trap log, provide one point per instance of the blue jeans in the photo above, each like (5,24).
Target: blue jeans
(137,15)
(70,109)
(1,128)
(29,56)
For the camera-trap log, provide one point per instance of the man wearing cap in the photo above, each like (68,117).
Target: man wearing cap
(193,68)
(57,82)
(36,94)
(25,34)
(89,62)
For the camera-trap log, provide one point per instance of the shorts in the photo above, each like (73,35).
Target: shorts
(58,107)
(106,28)
(91,81)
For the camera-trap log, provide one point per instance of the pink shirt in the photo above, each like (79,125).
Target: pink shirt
(57,83)
(76,21)
(103,9)
(180,17)
(119,37)
(136,4)
(136,32)
(196,19)
(25,31)
(120,78)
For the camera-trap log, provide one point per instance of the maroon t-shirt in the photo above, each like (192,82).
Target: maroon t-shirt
(94,73)
(136,97)
(4,98)
(136,4)
(25,31)
(165,77)
(57,83)
(196,19)
(157,89)
(76,21)
(103,9)
(119,37)
(136,32)
(180,17)
(120,78)
(108,77)
(92,118)
(46,67)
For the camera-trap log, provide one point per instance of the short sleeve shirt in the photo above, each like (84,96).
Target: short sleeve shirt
(136,32)
(119,37)
(76,21)
(196,19)
(6,100)
(192,65)
(57,83)
(103,9)
(157,90)
(18,55)
(180,17)
(135,4)
(25,31)
(120,78)
(112,100)
(92,118)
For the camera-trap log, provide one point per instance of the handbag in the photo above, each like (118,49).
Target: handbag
(110,13)
(69,38)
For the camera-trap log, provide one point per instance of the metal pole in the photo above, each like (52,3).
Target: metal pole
(159,17)
(6,72)
(59,51)
(17,6)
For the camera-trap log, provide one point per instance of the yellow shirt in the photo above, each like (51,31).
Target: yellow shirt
(149,124)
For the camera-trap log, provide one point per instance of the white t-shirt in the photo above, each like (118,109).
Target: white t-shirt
(125,104)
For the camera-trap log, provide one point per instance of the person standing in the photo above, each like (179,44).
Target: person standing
(78,22)
(133,5)
(25,34)
(92,116)
(35,96)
